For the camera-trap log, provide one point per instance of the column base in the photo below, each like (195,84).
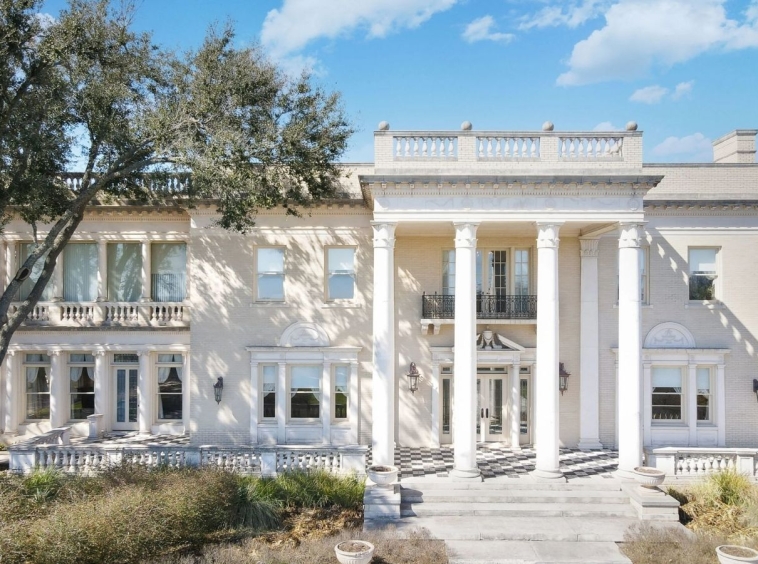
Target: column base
(458,475)
(548,475)
(589,444)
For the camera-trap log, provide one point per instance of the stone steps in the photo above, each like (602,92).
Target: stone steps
(521,484)
(522,552)
(514,509)
(512,496)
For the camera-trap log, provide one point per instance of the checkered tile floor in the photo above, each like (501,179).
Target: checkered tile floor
(134,438)
(498,461)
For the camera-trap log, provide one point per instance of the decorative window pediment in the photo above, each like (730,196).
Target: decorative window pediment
(304,334)
(669,335)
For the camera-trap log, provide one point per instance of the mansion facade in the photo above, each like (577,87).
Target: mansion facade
(525,288)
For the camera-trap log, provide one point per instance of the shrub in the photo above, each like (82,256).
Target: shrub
(308,489)
(728,487)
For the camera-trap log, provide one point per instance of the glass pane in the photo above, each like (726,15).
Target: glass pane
(121,358)
(521,282)
(667,413)
(124,272)
(82,379)
(702,260)
(132,396)
(703,407)
(496,406)
(446,406)
(271,260)
(82,405)
(169,381)
(38,358)
(305,378)
(524,407)
(341,259)
(169,271)
(37,406)
(80,272)
(340,405)
(448,273)
(702,287)
(341,379)
(271,286)
(27,285)
(269,390)
(37,379)
(170,406)
(121,396)
(81,358)
(341,286)
(703,380)
(304,405)
(171,357)
(498,273)
(667,377)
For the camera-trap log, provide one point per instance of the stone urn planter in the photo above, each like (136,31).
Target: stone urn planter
(382,475)
(648,477)
(733,554)
(354,552)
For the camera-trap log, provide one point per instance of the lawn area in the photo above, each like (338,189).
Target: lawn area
(132,514)
(722,509)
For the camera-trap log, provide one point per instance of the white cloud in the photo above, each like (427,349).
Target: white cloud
(682,89)
(691,148)
(649,94)
(573,15)
(298,22)
(481,30)
(606,126)
(639,34)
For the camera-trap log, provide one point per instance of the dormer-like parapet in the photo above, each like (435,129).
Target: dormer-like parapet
(486,151)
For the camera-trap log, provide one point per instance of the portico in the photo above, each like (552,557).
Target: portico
(509,201)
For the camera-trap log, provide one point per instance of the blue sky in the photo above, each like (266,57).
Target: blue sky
(685,70)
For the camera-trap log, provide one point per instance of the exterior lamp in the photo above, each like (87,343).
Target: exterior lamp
(218,387)
(755,387)
(413,378)
(563,378)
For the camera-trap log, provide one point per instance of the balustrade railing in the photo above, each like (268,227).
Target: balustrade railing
(159,184)
(425,147)
(438,306)
(107,313)
(591,147)
(506,147)
(696,462)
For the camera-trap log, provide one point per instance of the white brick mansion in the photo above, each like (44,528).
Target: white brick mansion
(550,288)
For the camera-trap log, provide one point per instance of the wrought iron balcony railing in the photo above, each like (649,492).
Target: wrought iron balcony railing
(487,307)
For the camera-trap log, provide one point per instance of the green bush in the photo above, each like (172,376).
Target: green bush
(309,489)
(728,487)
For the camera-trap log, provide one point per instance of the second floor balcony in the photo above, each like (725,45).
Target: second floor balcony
(440,308)
(107,314)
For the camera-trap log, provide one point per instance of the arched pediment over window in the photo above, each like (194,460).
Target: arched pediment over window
(669,335)
(304,334)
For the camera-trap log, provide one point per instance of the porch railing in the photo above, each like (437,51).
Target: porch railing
(695,462)
(438,306)
(68,314)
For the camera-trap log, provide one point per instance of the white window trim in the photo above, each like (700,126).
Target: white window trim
(510,260)
(256,298)
(261,368)
(341,301)
(345,421)
(718,281)
(24,366)
(158,394)
(69,366)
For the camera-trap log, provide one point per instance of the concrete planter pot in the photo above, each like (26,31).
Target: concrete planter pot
(648,477)
(354,552)
(382,475)
(734,554)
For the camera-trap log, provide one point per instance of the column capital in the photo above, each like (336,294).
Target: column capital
(588,247)
(631,233)
(98,353)
(384,234)
(465,234)
(10,352)
(142,352)
(547,234)
(53,352)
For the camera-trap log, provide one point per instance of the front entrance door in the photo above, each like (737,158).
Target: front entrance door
(125,379)
(525,409)
(490,394)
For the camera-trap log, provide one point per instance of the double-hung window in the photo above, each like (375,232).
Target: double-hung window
(667,393)
(170,385)
(341,391)
(28,284)
(704,402)
(81,369)
(124,272)
(703,273)
(37,377)
(269,264)
(80,265)
(305,391)
(168,267)
(340,263)
(448,272)
(269,391)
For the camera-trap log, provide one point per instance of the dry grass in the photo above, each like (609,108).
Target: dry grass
(390,549)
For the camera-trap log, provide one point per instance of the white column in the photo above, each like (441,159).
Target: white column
(546,380)
(353,401)
(383,378)
(721,404)
(10,262)
(3,264)
(647,415)
(102,396)
(692,401)
(146,277)
(59,392)
(464,365)
(326,403)
(589,360)
(254,400)
(282,393)
(102,270)
(58,279)
(435,385)
(516,404)
(630,350)
(186,383)
(144,394)
(11,394)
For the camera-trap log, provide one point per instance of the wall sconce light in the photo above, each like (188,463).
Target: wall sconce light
(755,387)
(563,378)
(413,375)
(218,387)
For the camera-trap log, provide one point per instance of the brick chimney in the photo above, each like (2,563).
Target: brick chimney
(735,147)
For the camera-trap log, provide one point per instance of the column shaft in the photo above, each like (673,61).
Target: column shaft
(692,402)
(11,396)
(589,360)
(383,377)
(101,389)
(326,404)
(464,369)
(281,404)
(630,350)
(546,384)
(144,394)
(59,391)
(254,401)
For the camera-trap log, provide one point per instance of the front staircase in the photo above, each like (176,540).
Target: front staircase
(521,520)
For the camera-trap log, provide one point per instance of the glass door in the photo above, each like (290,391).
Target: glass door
(126,379)
(525,410)
(489,393)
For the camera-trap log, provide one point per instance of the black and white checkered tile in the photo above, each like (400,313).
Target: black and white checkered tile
(134,438)
(498,461)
